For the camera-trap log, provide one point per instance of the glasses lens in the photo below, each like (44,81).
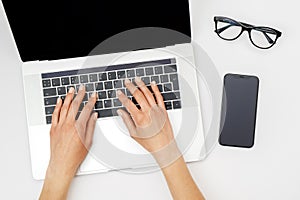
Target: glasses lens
(228,30)
(263,37)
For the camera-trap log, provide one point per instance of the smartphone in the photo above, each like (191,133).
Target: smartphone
(239,108)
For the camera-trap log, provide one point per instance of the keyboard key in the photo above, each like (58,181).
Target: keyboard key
(89,87)
(102,95)
(121,74)
(49,92)
(108,85)
(105,113)
(112,75)
(49,119)
(84,79)
(174,80)
(99,105)
(117,103)
(149,71)
(140,72)
(118,84)
(111,94)
(168,105)
(63,98)
(127,92)
(61,91)
(99,86)
(150,88)
(55,82)
(160,88)
(65,81)
(158,70)
(107,103)
(123,90)
(77,88)
(164,78)
(168,87)
(50,101)
(70,86)
(103,76)
(170,69)
(85,98)
(93,77)
(155,78)
(81,107)
(130,74)
(90,94)
(134,101)
(46,83)
(171,96)
(49,110)
(176,104)
(146,80)
(77,115)
(74,80)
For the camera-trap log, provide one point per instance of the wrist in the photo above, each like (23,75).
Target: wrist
(56,184)
(59,173)
(167,155)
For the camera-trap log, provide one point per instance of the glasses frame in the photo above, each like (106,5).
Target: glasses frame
(246,27)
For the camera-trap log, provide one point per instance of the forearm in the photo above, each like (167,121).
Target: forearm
(56,185)
(180,181)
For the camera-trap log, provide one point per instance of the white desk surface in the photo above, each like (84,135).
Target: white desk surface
(271,170)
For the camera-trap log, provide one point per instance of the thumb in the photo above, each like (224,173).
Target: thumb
(128,121)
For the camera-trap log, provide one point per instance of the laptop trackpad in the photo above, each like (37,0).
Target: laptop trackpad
(115,149)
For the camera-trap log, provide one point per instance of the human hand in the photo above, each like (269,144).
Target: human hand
(70,139)
(152,115)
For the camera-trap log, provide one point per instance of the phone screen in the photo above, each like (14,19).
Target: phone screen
(239,108)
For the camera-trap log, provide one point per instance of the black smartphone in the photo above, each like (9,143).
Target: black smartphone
(239,107)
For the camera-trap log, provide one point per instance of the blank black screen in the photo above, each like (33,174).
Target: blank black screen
(239,110)
(57,29)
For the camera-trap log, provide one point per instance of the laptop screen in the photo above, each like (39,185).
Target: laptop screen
(58,29)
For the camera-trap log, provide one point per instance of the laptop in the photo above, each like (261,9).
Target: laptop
(56,41)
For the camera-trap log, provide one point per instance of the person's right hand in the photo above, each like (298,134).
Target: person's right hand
(141,117)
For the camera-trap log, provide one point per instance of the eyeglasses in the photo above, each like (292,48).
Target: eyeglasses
(261,37)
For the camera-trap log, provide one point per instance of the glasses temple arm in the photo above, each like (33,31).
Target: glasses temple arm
(268,38)
(220,30)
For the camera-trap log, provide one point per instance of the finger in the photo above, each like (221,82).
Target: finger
(158,96)
(66,105)
(56,112)
(76,103)
(138,95)
(146,91)
(87,110)
(90,128)
(129,105)
(127,121)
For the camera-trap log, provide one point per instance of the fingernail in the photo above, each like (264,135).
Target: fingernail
(81,87)
(71,90)
(127,81)
(94,95)
(119,112)
(95,115)
(153,83)
(58,100)
(138,79)
(119,92)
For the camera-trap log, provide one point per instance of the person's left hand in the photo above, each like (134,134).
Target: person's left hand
(70,139)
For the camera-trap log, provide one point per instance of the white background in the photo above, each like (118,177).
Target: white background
(270,170)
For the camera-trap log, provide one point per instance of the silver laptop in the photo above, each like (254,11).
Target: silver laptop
(67,43)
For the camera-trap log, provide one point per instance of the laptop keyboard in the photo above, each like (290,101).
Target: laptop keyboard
(107,80)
